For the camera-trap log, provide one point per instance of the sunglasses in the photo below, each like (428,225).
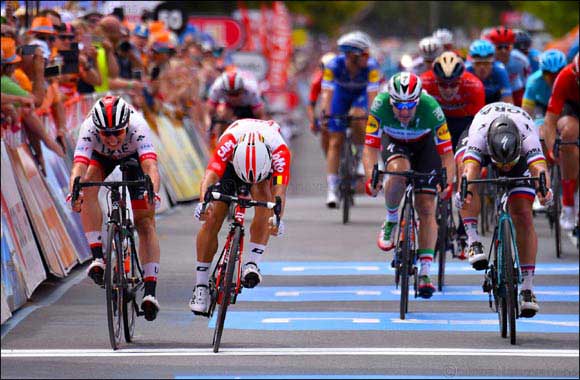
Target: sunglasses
(404,105)
(448,84)
(502,47)
(112,133)
(63,37)
(46,38)
(506,166)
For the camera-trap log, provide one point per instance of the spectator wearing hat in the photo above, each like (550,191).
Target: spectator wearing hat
(139,39)
(43,35)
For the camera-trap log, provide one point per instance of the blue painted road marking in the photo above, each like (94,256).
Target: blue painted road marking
(355,268)
(390,293)
(478,322)
(349,377)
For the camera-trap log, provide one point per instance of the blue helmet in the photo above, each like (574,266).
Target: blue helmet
(552,60)
(481,49)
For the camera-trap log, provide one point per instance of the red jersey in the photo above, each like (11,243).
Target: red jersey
(565,90)
(315,86)
(468,100)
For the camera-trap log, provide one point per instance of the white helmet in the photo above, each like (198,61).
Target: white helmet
(232,81)
(430,48)
(252,159)
(354,41)
(444,35)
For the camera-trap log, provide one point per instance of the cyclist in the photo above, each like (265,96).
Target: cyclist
(523,43)
(112,133)
(315,89)
(492,73)
(430,48)
(445,37)
(505,134)
(516,63)
(250,152)
(350,82)
(562,115)
(231,97)
(415,136)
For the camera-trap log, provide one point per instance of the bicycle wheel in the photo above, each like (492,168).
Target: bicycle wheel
(441,245)
(509,281)
(132,269)
(114,285)
(346,179)
(556,209)
(226,288)
(405,263)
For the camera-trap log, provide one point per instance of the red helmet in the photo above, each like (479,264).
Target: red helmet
(110,113)
(502,35)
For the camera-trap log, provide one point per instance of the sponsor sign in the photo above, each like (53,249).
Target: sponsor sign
(252,62)
(225,31)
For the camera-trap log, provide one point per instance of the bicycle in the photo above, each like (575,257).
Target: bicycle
(405,258)
(503,274)
(447,239)
(224,286)
(349,160)
(123,272)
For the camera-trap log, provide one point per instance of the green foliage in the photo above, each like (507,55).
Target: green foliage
(558,16)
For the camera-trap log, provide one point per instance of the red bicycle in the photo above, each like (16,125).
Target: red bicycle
(225,282)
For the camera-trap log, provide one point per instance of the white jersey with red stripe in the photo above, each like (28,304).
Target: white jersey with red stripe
(270,131)
(250,96)
(477,143)
(137,140)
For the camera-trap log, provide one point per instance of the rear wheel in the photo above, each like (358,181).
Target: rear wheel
(509,273)
(441,246)
(114,286)
(226,288)
(556,209)
(346,186)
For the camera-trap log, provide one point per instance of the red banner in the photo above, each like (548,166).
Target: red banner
(225,31)
(280,47)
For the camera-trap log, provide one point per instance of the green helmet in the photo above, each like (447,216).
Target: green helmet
(405,87)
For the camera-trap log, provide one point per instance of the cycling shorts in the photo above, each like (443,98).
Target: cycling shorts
(342,102)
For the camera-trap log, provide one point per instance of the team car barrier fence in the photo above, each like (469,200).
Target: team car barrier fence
(40,236)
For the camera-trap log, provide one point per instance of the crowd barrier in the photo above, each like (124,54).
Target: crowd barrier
(40,236)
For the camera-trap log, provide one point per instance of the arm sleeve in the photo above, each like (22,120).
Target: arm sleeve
(145,147)
(328,78)
(374,129)
(281,160)
(559,91)
(441,133)
(315,87)
(85,144)
(222,154)
(374,77)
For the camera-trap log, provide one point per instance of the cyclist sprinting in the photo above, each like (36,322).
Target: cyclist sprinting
(112,133)
(492,73)
(505,134)
(350,82)
(562,115)
(415,136)
(250,153)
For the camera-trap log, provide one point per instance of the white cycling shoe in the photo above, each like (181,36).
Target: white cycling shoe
(199,303)
(251,276)
(150,307)
(568,218)
(331,199)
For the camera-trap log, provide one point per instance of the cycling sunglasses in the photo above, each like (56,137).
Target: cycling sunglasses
(116,133)
(506,166)
(404,105)
(502,46)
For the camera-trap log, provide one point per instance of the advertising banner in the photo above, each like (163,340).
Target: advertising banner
(225,31)
(5,309)
(12,270)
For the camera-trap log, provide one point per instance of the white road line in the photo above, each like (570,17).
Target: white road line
(349,351)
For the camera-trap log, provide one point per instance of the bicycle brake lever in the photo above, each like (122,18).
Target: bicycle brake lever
(375,176)
(278,210)
(76,190)
(463,187)
(542,186)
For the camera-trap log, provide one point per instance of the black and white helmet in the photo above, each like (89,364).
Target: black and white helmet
(110,113)
(444,35)
(430,48)
(356,41)
(504,141)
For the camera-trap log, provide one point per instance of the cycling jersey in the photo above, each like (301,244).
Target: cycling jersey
(534,58)
(137,140)
(477,150)
(518,68)
(497,84)
(565,91)
(429,120)
(537,92)
(348,91)
(270,130)
(250,96)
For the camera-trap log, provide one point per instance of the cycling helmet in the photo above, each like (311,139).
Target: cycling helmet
(502,35)
(232,81)
(504,141)
(480,49)
(252,159)
(444,35)
(523,40)
(327,58)
(356,41)
(575,67)
(405,87)
(448,66)
(430,48)
(552,60)
(110,113)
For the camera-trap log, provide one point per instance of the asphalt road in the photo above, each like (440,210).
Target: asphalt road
(326,309)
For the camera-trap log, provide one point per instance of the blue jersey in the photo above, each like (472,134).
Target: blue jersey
(349,91)
(534,58)
(518,69)
(497,84)
(537,91)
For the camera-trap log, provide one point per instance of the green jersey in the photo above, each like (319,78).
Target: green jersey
(428,118)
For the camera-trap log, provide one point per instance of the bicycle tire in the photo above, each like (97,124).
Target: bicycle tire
(557,209)
(500,298)
(441,245)
(509,280)
(130,309)
(226,287)
(113,286)
(346,181)
(405,263)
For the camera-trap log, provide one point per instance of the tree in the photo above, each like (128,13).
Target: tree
(558,16)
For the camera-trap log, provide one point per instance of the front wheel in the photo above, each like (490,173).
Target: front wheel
(114,285)
(509,273)
(406,262)
(346,185)
(132,271)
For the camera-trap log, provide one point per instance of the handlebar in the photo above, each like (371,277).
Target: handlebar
(504,181)
(409,174)
(146,181)
(559,142)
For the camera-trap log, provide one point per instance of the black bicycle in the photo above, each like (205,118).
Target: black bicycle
(405,258)
(225,282)
(503,274)
(349,159)
(447,239)
(123,272)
